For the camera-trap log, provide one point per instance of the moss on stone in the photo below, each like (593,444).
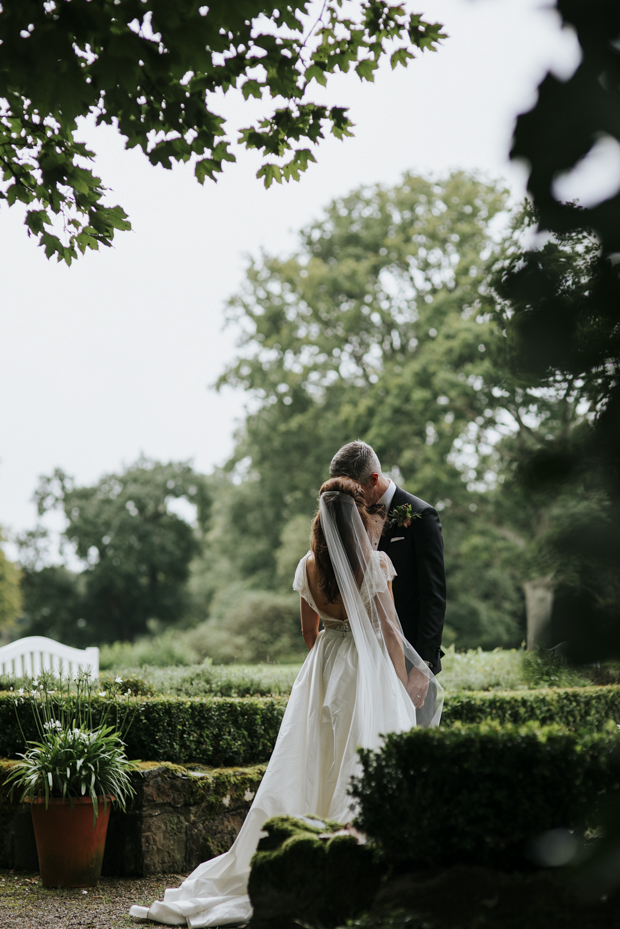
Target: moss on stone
(311,872)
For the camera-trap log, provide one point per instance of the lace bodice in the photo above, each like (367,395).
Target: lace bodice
(381,572)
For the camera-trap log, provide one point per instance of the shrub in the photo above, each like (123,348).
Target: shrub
(169,648)
(479,793)
(231,730)
(268,624)
(310,872)
(586,708)
(218,680)
(251,626)
(219,731)
(548,669)
(477,670)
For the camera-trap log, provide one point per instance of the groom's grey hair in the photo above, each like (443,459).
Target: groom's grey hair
(356,460)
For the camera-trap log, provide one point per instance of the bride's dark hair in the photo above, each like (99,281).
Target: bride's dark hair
(326,577)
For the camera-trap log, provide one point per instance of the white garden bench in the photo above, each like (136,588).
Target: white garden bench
(37,653)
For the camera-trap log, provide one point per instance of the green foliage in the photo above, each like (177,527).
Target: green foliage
(217,731)
(376,327)
(10,592)
(170,649)
(577,708)
(548,669)
(254,626)
(481,793)
(155,72)
(72,757)
(242,730)
(310,872)
(216,680)
(294,543)
(475,669)
(75,763)
(136,551)
(566,328)
(204,680)
(266,626)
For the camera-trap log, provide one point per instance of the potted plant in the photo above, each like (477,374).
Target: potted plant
(72,774)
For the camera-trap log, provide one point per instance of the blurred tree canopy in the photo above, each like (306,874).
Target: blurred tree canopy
(379,327)
(154,70)
(391,323)
(572,333)
(136,550)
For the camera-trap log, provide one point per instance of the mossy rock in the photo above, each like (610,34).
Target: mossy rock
(312,872)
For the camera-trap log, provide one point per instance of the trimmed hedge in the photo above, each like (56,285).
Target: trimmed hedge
(224,731)
(220,731)
(480,793)
(584,708)
(308,872)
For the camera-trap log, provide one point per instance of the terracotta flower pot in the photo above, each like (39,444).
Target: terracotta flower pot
(70,848)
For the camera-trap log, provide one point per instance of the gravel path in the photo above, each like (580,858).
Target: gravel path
(25,904)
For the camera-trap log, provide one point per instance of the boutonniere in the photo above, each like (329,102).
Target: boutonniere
(402,516)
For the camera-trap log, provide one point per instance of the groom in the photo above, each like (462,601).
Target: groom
(416,550)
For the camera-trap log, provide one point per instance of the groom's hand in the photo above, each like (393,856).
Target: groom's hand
(417,686)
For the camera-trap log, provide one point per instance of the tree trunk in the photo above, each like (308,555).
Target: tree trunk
(538,605)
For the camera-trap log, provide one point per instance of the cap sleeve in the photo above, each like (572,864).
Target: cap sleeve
(380,572)
(386,566)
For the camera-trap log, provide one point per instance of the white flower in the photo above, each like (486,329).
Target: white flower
(49,777)
(118,680)
(102,693)
(21,691)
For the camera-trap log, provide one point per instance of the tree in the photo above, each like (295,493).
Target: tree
(580,338)
(379,327)
(10,593)
(548,407)
(154,69)
(136,551)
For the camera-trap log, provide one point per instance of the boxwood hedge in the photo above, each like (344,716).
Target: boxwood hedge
(223,731)
(220,731)
(480,793)
(585,708)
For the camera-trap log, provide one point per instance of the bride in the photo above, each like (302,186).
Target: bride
(361,679)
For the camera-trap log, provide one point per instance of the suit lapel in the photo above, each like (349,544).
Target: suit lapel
(397,500)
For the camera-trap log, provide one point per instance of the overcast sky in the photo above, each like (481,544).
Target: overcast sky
(114,356)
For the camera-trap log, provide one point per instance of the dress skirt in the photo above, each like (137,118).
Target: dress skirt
(309,773)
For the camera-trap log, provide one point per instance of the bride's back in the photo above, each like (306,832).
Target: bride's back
(335,609)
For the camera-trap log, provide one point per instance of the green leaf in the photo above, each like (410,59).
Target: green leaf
(252,88)
(271,173)
(316,72)
(400,57)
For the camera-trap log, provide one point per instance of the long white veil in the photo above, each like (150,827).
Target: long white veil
(381,645)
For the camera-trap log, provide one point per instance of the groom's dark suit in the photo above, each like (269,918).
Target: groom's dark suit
(420,585)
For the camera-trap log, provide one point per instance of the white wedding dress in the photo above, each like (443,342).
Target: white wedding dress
(347,694)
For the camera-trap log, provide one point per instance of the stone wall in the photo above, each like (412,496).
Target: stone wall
(179,817)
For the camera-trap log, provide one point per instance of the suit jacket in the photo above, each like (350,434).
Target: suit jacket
(420,584)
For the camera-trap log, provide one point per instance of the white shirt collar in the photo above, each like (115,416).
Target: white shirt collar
(388,496)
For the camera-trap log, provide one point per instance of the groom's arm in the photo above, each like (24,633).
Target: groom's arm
(428,544)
